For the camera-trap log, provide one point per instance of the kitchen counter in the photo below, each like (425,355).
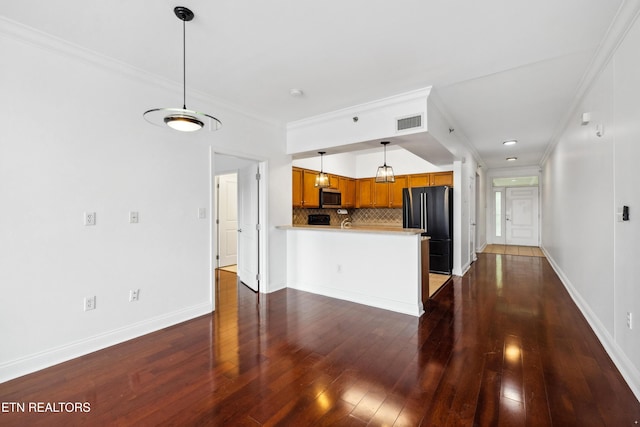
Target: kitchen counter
(376,266)
(355,229)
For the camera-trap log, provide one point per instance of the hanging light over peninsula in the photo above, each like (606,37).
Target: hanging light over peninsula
(385,173)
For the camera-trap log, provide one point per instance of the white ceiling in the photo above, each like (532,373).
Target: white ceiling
(502,68)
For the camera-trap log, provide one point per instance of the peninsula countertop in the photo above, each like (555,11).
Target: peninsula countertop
(372,229)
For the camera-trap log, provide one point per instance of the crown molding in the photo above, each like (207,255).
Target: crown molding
(24,34)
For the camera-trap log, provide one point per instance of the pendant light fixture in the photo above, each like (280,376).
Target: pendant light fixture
(385,173)
(322,179)
(180,118)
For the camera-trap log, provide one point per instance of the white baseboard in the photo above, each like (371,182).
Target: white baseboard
(627,369)
(35,362)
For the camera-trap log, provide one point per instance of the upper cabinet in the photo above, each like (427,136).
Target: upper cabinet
(362,192)
(296,197)
(441,178)
(431,179)
(395,190)
(347,187)
(310,193)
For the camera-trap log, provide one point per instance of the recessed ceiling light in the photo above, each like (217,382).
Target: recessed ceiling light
(511,159)
(510,142)
(295,93)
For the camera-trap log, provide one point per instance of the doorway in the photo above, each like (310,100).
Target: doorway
(237,223)
(515,213)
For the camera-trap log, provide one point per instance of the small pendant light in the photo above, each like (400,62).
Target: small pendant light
(180,118)
(385,173)
(322,179)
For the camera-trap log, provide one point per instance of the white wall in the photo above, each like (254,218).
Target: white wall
(73,140)
(376,120)
(585,179)
(343,164)
(365,165)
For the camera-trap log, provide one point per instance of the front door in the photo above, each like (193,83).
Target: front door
(248,235)
(522,216)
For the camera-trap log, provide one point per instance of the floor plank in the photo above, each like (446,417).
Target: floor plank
(503,345)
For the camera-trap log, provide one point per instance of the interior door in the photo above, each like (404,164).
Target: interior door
(227,220)
(522,216)
(248,221)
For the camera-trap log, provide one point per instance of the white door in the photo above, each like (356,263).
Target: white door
(227,220)
(248,237)
(522,216)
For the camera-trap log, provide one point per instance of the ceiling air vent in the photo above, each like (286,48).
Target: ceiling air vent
(410,122)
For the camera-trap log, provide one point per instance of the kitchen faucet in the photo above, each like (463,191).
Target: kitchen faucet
(346,223)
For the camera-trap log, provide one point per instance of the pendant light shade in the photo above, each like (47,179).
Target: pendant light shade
(322,179)
(385,173)
(180,118)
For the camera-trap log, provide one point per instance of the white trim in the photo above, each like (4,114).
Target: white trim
(627,369)
(37,361)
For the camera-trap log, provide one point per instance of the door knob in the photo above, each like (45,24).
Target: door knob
(239,230)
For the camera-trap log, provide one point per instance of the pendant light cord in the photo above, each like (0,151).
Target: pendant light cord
(184,65)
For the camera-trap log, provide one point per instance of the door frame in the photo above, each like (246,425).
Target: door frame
(489,197)
(262,166)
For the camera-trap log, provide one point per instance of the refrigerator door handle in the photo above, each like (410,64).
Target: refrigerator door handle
(423,211)
(426,213)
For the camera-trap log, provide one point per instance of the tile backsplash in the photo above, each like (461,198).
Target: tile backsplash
(364,216)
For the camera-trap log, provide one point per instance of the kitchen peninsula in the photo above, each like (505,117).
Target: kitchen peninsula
(384,267)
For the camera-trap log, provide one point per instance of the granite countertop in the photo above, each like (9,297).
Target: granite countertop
(354,229)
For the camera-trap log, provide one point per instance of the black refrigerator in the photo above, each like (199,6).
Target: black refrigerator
(431,208)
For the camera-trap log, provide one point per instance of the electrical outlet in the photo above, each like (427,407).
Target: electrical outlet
(89,218)
(90,303)
(202,213)
(134,295)
(629,320)
(133,217)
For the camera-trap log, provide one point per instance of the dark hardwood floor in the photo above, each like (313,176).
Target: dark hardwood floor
(504,345)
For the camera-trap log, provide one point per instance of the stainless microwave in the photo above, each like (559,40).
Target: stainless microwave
(330,198)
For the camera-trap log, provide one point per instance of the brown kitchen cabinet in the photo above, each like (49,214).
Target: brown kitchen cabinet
(347,187)
(441,178)
(334,181)
(370,194)
(310,193)
(296,178)
(364,192)
(431,179)
(381,194)
(395,191)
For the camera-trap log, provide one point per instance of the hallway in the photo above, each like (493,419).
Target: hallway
(503,345)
